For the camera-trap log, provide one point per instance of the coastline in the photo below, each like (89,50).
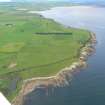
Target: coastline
(61,78)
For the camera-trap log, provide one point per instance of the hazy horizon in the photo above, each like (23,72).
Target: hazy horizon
(53,0)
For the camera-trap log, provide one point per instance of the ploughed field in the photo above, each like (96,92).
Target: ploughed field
(32,46)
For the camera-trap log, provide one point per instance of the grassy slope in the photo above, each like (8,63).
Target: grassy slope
(34,55)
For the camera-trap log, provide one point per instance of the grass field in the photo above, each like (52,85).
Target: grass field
(25,54)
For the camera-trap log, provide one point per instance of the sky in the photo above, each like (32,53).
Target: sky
(56,0)
(4,0)
(51,0)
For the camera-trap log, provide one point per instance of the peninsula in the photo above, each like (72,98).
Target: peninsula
(35,51)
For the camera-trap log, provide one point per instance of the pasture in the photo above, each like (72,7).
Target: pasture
(26,53)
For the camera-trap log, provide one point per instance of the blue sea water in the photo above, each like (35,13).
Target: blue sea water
(87,86)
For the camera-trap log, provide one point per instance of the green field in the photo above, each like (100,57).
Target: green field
(25,54)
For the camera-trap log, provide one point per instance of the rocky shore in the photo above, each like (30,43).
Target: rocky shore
(62,78)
